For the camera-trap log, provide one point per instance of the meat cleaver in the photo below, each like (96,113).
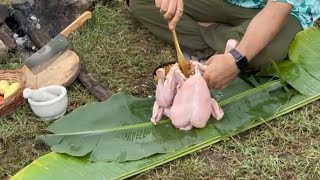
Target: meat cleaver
(54,48)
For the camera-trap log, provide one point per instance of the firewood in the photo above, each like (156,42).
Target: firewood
(3,49)
(62,13)
(97,89)
(6,35)
(37,36)
(4,13)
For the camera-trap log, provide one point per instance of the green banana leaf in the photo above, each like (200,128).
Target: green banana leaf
(296,76)
(304,51)
(120,129)
(301,71)
(245,109)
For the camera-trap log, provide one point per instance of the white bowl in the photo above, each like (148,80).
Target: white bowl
(52,109)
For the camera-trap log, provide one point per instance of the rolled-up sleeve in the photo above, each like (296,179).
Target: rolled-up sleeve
(306,11)
(292,2)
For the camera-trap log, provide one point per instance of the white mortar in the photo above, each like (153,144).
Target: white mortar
(52,109)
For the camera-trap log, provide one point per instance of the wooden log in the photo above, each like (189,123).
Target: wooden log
(97,89)
(62,13)
(37,36)
(4,13)
(6,35)
(3,49)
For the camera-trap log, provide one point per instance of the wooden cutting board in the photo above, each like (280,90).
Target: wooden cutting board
(63,71)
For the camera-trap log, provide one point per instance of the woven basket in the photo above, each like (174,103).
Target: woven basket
(16,99)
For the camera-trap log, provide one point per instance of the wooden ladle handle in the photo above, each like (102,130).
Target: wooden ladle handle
(181,61)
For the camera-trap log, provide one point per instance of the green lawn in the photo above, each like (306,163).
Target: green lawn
(121,52)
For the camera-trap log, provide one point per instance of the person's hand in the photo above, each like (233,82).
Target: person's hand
(221,70)
(171,10)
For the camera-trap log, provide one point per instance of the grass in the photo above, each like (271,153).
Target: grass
(118,50)
(5,1)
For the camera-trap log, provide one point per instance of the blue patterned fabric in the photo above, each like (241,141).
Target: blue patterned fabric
(307,11)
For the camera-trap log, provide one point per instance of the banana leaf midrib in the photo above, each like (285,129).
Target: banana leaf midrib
(107,130)
(272,84)
(275,84)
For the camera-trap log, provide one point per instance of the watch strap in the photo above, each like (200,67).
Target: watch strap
(241,61)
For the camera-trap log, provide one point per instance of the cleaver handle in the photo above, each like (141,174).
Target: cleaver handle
(76,23)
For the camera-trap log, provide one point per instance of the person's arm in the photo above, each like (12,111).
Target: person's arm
(263,28)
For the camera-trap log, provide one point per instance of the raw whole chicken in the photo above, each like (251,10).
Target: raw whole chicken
(188,104)
(186,101)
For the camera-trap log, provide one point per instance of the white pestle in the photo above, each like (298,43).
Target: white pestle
(38,95)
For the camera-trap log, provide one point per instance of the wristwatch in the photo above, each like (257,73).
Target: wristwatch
(242,61)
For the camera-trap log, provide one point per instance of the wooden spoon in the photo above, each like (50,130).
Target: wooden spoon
(183,64)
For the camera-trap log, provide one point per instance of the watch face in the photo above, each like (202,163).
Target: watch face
(242,64)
